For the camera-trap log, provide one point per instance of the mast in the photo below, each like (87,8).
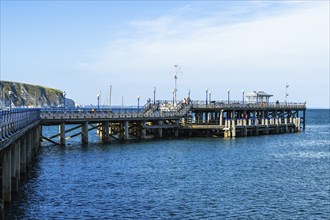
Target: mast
(177,68)
(110,96)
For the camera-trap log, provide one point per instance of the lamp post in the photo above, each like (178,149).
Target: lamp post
(210,97)
(243,95)
(64,94)
(10,93)
(188,97)
(173,91)
(138,99)
(228,91)
(206,94)
(98,101)
(154,95)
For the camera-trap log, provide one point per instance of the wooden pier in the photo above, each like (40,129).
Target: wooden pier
(21,129)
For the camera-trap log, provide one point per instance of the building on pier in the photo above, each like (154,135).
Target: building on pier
(258,97)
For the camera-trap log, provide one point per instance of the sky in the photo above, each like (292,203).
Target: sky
(83,47)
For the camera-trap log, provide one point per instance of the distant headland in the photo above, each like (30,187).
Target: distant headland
(18,94)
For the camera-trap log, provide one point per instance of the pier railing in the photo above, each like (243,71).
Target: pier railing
(247,105)
(103,113)
(15,120)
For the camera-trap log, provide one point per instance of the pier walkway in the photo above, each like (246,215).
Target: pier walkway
(21,129)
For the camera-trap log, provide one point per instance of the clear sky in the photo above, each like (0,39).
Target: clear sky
(83,47)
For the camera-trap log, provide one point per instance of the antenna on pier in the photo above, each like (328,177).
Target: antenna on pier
(286,92)
(177,69)
(110,96)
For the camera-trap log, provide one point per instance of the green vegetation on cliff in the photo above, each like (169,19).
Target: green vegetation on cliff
(27,95)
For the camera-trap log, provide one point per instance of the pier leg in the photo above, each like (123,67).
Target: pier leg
(62,133)
(245,128)
(23,156)
(233,130)
(28,150)
(256,127)
(36,141)
(267,125)
(160,129)
(84,132)
(286,125)
(304,118)
(6,176)
(15,166)
(177,129)
(221,118)
(105,132)
(126,130)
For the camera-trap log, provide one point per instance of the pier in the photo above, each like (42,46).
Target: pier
(21,130)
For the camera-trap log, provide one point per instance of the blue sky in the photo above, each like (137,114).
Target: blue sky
(83,47)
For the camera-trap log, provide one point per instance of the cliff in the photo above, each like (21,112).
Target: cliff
(27,95)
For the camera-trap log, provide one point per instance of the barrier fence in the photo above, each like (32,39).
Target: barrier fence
(13,121)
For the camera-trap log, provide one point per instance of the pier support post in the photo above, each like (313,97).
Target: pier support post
(256,127)
(35,141)
(267,125)
(245,127)
(286,125)
(16,166)
(176,129)
(277,126)
(23,156)
(84,132)
(105,131)
(28,150)
(233,130)
(221,118)
(126,130)
(298,124)
(160,123)
(229,128)
(6,175)
(304,118)
(62,133)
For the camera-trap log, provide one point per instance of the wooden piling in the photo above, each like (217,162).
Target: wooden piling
(84,132)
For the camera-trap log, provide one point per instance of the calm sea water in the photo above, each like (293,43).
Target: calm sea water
(267,177)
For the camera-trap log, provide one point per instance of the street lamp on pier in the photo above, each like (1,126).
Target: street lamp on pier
(138,99)
(243,95)
(206,94)
(64,94)
(10,93)
(154,95)
(98,96)
(228,91)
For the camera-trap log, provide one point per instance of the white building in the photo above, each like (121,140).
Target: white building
(258,97)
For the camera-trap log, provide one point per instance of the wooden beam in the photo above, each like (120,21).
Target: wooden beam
(51,141)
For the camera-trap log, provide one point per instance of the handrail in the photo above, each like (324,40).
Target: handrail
(240,104)
(14,120)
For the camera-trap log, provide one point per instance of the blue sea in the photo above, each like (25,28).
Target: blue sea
(283,176)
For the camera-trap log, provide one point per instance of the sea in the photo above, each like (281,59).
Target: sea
(284,176)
